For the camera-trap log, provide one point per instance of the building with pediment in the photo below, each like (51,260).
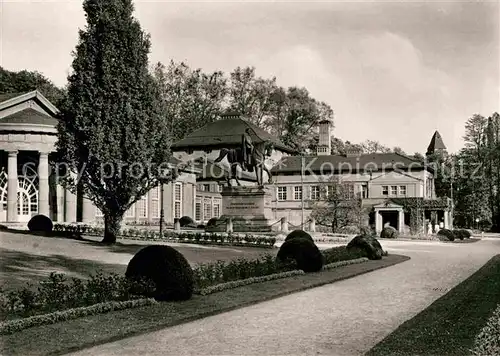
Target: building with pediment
(28,186)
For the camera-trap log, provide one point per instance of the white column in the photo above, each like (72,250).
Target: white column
(312,225)
(70,204)
(60,202)
(43,184)
(12,185)
(88,210)
(401,221)
(150,207)
(378,222)
(446,220)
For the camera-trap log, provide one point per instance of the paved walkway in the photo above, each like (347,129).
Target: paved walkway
(344,318)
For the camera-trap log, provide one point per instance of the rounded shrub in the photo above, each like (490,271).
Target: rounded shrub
(186,221)
(167,268)
(212,222)
(366,231)
(446,235)
(303,252)
(299,234)
(40,223)
(389,233)
(369,245)
(466,233)
(458,234)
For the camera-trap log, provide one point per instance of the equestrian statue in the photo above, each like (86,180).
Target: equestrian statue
(251,155)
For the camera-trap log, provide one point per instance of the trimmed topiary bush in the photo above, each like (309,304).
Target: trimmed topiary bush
(40,223)
(299,234)
(186,221)
(446,235)
(462,234)
(303,252)
(212,222)
(167,268)
(369,245)
(389,233)
(366,231)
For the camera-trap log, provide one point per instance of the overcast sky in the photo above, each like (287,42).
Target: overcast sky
(391,71)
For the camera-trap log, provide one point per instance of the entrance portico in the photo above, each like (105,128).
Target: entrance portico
(391,214)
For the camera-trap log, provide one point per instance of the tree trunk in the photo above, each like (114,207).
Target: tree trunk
(112,224)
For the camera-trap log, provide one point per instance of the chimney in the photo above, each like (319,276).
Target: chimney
(325,139)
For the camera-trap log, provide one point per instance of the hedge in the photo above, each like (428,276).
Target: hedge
(191,237)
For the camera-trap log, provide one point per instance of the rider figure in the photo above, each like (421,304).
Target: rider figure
(248,148)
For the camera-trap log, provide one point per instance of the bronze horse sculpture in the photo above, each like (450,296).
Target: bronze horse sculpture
(255,160)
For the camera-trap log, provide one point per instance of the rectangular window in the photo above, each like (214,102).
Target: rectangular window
(394,190)
(143,206)
(314,192)
(350,191)
(200,188)
(206,187)
(217,205)
(402,190)
(177,200)
(207,209)
(282,193)
(297,193)
(155,202)
(197,212)
(385,190)
(221,187)
(130,213)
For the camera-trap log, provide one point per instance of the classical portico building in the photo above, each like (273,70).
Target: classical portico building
(28,185)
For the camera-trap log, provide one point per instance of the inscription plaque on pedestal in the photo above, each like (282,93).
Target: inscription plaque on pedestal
(248,207)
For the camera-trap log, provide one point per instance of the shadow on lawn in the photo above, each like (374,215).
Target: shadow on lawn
(195,254)
(18,268)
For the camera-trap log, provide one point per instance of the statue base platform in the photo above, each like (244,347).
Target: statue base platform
(249,209)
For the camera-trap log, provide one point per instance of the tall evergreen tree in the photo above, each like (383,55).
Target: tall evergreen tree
(111,130)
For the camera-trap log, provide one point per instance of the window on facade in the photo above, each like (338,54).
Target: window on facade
(220,187)
(197,210)
(155,202)
(385,190)
(130,213)
(394,190)
(206,187)
(297,193)
(314,192)
(177,200)
(207,209)
(200,188)
(350,191)
(143,206)
(402,190)
(282,193)
(217,205)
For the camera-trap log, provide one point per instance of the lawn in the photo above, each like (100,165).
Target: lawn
(98,329)
(27,258)
(449,325)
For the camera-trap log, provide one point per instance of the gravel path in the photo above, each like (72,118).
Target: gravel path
(344,318)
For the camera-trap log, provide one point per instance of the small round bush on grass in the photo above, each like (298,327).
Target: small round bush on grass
(40,223)
(186,221)
(446,235)
(299,234)
(212,222)
(369,245)
(167,268)
(304,252)
(389,233)
(366,231)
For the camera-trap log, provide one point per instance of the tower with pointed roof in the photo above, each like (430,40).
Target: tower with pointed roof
(436,146)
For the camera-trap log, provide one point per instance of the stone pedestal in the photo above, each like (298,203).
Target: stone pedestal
(249,209)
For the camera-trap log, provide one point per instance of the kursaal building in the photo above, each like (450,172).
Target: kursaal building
(384,182)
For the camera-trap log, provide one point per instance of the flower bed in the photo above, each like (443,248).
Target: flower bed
(11,326)
(192,237)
